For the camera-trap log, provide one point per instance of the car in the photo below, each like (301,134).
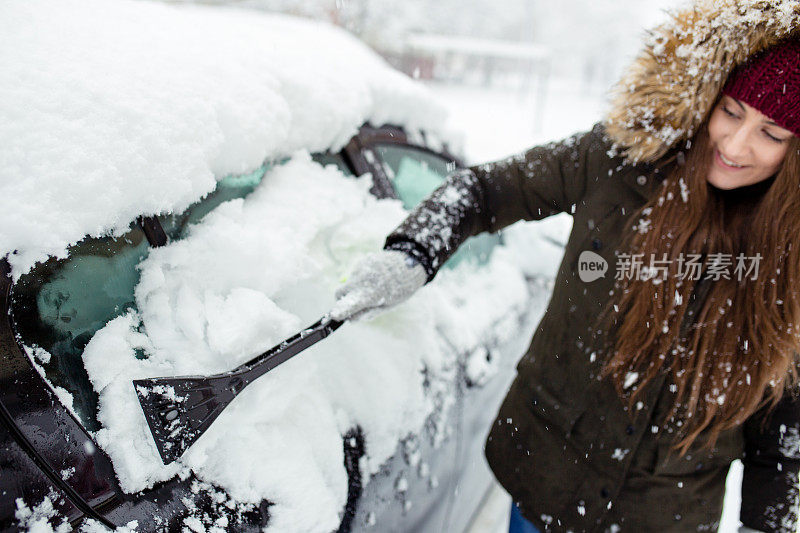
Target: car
(234,207)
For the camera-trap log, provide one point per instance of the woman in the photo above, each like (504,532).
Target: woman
(640,388)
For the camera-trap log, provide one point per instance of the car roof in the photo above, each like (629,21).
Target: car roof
(112,110)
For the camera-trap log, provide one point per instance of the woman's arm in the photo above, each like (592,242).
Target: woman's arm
(771,467)
(543,181)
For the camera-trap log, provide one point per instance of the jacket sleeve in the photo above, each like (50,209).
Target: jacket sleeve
(771,467)
(540,182)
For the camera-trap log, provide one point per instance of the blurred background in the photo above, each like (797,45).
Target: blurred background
(513,73)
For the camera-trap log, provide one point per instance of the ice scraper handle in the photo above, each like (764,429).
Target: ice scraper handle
(379,281)
(284,351)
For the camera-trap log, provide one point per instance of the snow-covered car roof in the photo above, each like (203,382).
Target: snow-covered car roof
(114,109)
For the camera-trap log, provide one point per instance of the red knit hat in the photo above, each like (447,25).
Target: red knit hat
(770,82)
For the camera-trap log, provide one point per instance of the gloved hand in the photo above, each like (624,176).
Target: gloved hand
(379,281)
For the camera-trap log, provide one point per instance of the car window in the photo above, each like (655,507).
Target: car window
(415,173)
(60,304)
(228,188)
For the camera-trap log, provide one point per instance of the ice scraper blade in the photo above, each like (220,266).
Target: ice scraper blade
(180,409)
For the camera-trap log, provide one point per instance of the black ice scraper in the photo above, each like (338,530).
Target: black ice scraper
(180,409)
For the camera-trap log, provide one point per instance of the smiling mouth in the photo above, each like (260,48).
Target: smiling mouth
(727,162)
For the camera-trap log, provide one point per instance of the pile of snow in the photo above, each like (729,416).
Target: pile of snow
(114,109)
(252,273)
(41,517)
(44,518)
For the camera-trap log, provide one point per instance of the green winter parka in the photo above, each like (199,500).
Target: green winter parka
(563,443)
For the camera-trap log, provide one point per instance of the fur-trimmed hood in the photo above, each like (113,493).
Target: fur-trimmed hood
(669,90)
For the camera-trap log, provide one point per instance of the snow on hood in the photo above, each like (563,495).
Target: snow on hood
(252,273)
(114,109)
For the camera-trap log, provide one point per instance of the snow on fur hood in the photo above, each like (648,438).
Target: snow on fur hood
(670,88)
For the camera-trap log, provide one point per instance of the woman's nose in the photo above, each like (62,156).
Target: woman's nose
(737,142)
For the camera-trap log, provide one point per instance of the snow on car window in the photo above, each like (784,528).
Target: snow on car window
(61,303)
(111,110)
(253,272)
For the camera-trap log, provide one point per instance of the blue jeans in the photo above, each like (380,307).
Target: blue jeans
(518,524)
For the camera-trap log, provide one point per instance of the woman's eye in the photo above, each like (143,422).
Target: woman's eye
(729,112)
(772,137)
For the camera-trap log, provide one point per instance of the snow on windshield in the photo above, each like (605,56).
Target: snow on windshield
(111,110)
(250,274)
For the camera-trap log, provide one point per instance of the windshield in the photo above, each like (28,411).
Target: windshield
(61,303)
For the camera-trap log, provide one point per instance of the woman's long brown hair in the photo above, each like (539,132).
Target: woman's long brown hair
(739,354)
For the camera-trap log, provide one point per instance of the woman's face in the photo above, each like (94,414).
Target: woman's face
(748,146)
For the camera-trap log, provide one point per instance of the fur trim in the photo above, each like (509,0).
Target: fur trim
(669,90)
